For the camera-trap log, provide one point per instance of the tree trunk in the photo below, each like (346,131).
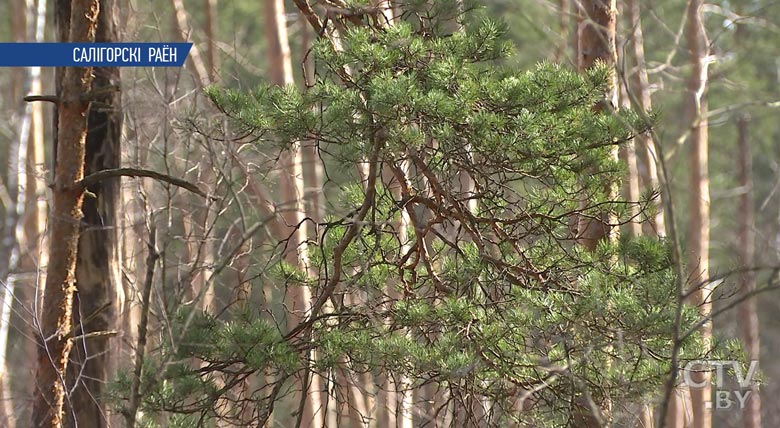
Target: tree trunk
(645,150)
(699,200)
(18,24)
(596,35)
(628,155)
(78,21)
(99,294)
(211,38)
(747,313)
(194,58)
(564,14)
(25,219)
(14,209)
(9,254)
(596,43)
(291,186)
(647,173)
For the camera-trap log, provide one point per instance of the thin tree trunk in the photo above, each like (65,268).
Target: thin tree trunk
(564,18)
(18,25)
(20,245)
(210,7)
(628,156)
(197,223)
(9,252)
(645,151)
(204,216)
(747,314)
(37,210)
(14,210)
(99,296)
(647,173)
(699,200)
(194,58)
(77,20)
(146,293)
(292,193)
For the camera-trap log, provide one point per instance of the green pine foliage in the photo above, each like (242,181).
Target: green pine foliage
(497,303)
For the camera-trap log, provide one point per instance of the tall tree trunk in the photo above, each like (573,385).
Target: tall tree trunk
(699,200)
(747,313)
(37,205)
(77,20)
(292,203)
(99,292)
(627,154)
(14,210)
(596,35)
(645,151)
(647,173)
(25,219)
(596,43)
(198,221)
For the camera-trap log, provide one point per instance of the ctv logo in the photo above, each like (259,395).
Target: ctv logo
(724,398)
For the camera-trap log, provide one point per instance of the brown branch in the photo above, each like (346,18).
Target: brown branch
(47,98)
(349,236)
(263,200)
(87,96)
(308,13)
(136,172)
(771,286)
(135,389)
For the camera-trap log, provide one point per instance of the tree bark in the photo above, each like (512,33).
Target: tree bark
(596,36)
(78,20)
(699,200)
(99,292)
(747,313)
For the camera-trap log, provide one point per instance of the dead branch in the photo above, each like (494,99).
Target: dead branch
(136,172)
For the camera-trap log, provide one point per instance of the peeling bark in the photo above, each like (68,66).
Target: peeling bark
(56,320)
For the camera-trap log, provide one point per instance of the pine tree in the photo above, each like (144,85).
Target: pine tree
(510,311)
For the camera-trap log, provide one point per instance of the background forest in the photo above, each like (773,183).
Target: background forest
(413,213)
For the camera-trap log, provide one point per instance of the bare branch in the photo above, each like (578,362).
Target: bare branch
(47,98)
(136,172)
